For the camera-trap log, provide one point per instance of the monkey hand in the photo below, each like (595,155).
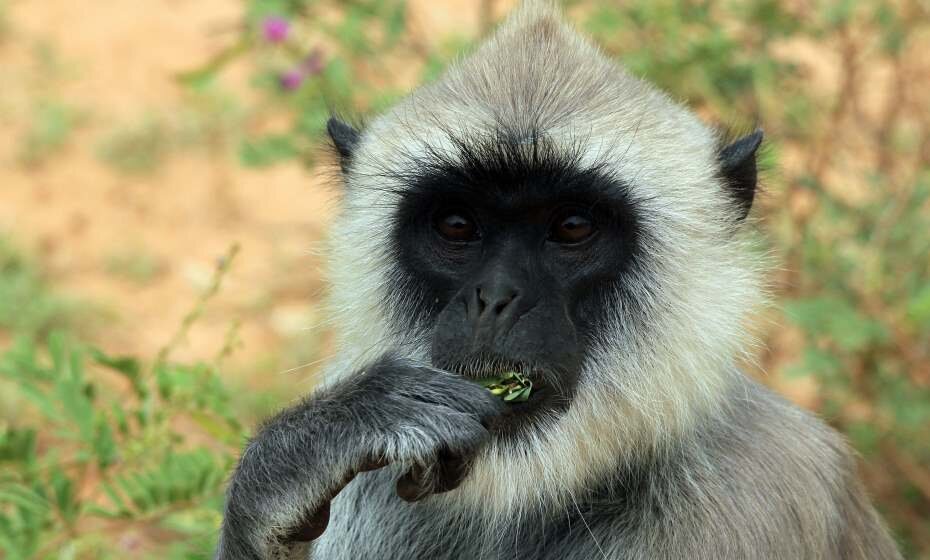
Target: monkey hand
(394,411)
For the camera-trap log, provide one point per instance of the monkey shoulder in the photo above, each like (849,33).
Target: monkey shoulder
(765,479)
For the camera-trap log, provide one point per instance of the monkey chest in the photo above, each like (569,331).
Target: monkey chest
(368,520)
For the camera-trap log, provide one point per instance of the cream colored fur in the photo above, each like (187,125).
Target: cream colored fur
(641,387)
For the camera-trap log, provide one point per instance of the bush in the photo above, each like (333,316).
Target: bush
(91,443)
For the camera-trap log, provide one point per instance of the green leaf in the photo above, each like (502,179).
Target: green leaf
(200,78)
(865,436)
(824,366)
(116,499)
(127,365)
(69,390)
(18,445)
(215,425)
(518,395)
(57,348)
(122,421)
(837,319)
(65,499)
(918,308)
(338,78)
(262,152)
(40,399)
(839,12)
(256,11)
(181,477)
(351,31)
(395,23)
(24,497)
(488,381)
(104,445)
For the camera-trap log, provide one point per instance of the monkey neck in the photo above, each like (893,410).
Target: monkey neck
(599,438)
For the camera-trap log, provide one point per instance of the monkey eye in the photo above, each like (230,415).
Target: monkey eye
(456,225)
(572,225)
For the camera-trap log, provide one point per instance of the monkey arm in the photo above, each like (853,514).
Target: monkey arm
(393,411)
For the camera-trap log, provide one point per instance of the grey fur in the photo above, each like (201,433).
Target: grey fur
(666,451)
(394,411)
(762,480)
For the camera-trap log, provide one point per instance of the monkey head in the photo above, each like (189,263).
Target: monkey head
(538,209)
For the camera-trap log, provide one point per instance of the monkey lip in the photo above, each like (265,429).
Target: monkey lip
(492,366)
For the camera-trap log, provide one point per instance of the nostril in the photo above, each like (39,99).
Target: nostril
(494,301)
(481,303)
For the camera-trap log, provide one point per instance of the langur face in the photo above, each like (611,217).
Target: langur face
(508,260)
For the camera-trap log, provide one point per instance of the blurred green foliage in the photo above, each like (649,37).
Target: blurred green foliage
(93,445)
(27,307)
(136,265)
(137,148)
(52,124)
(209,120)
(91,442)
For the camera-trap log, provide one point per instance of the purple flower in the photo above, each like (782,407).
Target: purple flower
(275,29)
(292,80)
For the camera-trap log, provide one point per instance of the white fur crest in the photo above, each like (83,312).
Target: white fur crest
(701,280)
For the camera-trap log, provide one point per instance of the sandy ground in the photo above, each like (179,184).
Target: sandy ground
(78,215)
(116,63)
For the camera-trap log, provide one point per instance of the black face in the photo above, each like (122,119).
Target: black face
(507,261)
(511,254)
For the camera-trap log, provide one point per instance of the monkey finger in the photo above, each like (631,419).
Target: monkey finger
(446,474)
(314,524)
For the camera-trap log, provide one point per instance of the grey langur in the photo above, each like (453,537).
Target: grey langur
(539,210)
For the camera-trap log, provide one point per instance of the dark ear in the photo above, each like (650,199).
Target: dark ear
(345,139)
(738,167)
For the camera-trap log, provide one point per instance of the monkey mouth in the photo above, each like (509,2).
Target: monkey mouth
(503,376)
(550,391)
(484,366)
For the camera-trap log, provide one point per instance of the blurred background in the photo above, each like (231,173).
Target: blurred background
(164,189)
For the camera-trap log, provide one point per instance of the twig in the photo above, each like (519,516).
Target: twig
(222,267)
(230,342)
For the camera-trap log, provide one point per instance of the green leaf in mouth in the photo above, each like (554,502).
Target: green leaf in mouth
(511,386)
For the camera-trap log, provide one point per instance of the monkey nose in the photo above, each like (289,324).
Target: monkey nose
(492,310)
(494,299)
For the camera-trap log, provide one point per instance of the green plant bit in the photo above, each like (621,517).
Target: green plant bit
(510,386)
